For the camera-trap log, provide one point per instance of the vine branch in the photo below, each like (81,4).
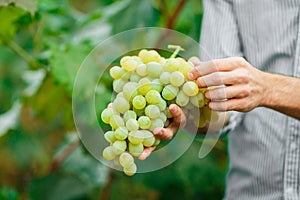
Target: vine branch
(63,154)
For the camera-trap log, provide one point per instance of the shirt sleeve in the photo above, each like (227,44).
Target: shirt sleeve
(219,39)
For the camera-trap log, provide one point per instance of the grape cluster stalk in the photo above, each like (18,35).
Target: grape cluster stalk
(146,84)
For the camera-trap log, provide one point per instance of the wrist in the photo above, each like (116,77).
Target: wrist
(267,99)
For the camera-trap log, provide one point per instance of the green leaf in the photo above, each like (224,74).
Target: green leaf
(122,22)
(8,193)
(8,28)
(65,63)
(27,5)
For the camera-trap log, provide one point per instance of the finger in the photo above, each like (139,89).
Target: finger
(204,68)
(178,116)
(232,104)
(217,78)
(227,93)
(194,60)
(146,153)
(165,133)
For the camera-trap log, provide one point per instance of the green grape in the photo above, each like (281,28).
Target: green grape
(171,65)
(144,122)
(106,115)
(139,112)
(163,116)
(128,63)
(167,122)
(118,85)
(156,85)
(116,121)
(141,70)
(131,170)
(119,146)
(194,59)
(149,56)
(170,92)
(135,78)
(126,76)
(108,153)
(153,97)
(132,125)
(121,105)
(156,123)
(136,149)
(129,114)
(117,162)
(168,113)
(169,102)
(182,99)
(116,72)
(162,104)
(149,138)
(201,123)
(198,100)
(154,69)
(137,59)
(214,116)
(157,141)
(126,160)
(135,137)
(144,86)
(165,78)
(139,102)
(152,111)
(121,133)
(120,95)
(130,90)
(206,111)
(110,136)
(190,88)
(162,61)
(185,68)
(176,78)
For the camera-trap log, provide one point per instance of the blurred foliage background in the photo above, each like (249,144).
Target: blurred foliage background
(42,43)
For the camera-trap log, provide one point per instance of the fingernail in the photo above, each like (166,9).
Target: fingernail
(157,130)
(191,76)
(173,108)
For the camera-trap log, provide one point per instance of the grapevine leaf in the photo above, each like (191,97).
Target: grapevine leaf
(121,22)
(66,62)
(8,16)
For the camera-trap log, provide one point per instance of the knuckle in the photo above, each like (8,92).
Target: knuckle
(199,81)
(245,91)
(216,63)
(240,61)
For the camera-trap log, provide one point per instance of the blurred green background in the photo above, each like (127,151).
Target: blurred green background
(42,43)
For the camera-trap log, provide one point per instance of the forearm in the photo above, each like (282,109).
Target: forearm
(282,94)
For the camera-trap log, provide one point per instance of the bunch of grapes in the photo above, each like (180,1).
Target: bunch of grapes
(146,85)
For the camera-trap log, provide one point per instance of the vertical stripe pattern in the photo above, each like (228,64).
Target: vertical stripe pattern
(264,145)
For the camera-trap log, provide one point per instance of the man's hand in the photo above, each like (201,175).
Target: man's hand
(179,120)
(244,85)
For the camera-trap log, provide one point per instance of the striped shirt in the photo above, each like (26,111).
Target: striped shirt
(263,145)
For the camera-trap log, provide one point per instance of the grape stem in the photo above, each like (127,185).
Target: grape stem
(177,50)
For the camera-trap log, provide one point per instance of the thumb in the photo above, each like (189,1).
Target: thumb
(178,115)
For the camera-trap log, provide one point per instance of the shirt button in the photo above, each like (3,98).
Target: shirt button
(293,146)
